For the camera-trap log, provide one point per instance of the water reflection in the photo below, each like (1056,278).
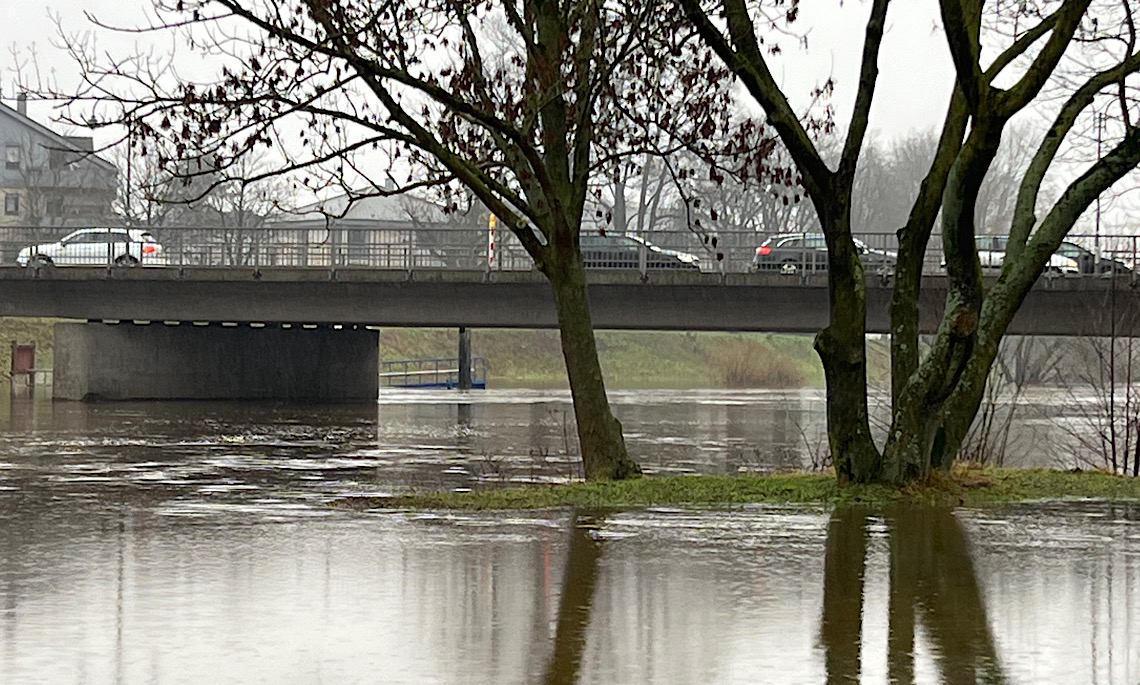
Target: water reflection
(932,576)
(932,591)
(842,619)
(141,594)
(577,598)
(192,542)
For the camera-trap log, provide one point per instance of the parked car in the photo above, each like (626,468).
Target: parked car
(791,253)
(96,246)
(624,252)
(991,253)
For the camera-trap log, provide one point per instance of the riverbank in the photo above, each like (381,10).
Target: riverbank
(630,359)
(962,487)
(533,358)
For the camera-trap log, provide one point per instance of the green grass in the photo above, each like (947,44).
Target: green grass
(967,487)
(630,359)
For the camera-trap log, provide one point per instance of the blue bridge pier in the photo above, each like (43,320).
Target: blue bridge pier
(128,361)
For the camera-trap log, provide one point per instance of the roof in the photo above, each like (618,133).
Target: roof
(73,143)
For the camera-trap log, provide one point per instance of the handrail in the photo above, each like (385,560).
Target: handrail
(407,247)
(434,372)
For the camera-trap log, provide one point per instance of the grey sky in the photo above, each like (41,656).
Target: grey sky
(914,82)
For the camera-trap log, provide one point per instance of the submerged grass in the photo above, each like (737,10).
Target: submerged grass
(963,486)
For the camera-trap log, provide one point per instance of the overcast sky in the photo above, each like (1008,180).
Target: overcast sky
(915,70)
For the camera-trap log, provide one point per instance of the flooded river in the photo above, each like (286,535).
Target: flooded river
(192,543)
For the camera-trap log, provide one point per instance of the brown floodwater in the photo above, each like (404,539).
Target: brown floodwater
(192,543)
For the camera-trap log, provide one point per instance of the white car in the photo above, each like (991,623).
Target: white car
(96,247)
(991,253)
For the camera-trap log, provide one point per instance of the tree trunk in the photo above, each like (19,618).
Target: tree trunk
(904,315)
(604,456)
(842,348)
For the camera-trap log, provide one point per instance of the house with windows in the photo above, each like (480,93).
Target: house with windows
(49,180)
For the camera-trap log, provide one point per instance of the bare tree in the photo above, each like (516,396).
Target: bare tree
(524,103)
(1100,383)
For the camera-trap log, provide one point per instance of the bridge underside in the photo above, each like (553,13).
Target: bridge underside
(158,361)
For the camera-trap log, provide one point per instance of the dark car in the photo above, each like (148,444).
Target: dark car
(625,252)
(793,253)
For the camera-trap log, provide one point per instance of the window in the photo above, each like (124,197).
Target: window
(54,206)
(11,159)
(57,159)
(11,204)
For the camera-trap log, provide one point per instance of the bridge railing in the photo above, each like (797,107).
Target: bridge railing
(430,372)
(410,247)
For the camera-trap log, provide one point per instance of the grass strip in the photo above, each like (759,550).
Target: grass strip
(960,487)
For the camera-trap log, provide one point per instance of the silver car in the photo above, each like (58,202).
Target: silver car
(991,254)
(95,247)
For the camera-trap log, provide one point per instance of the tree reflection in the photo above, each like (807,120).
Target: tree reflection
(578,583)
(932,584)
(843,569)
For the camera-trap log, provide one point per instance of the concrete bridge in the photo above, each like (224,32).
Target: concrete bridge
(309,333)
(666,300)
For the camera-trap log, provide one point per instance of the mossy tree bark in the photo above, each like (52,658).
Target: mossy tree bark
(936,404)
(842,348)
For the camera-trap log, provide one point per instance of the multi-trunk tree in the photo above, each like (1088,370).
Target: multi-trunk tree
(1007,59)
(524,102)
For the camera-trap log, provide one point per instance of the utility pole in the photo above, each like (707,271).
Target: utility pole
(1099,122)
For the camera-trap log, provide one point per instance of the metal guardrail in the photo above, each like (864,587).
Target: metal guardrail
(32,378)
(467,248)
(434,372)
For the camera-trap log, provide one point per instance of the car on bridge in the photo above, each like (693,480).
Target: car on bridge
(991,254)
(626,251)
(95,247)
(794,253)
(1087,261)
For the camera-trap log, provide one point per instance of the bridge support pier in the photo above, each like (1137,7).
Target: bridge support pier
(125,361)
(464,358)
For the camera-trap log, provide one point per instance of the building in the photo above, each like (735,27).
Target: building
(49,180)
(397,231)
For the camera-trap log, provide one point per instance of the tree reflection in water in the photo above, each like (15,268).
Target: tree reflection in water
(578,583)
(932,584)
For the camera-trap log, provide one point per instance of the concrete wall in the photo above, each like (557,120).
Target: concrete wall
(157,361)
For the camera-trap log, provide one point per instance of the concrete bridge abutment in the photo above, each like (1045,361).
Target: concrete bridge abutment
(129,361)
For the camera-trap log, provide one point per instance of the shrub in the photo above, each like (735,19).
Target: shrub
(749,364)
